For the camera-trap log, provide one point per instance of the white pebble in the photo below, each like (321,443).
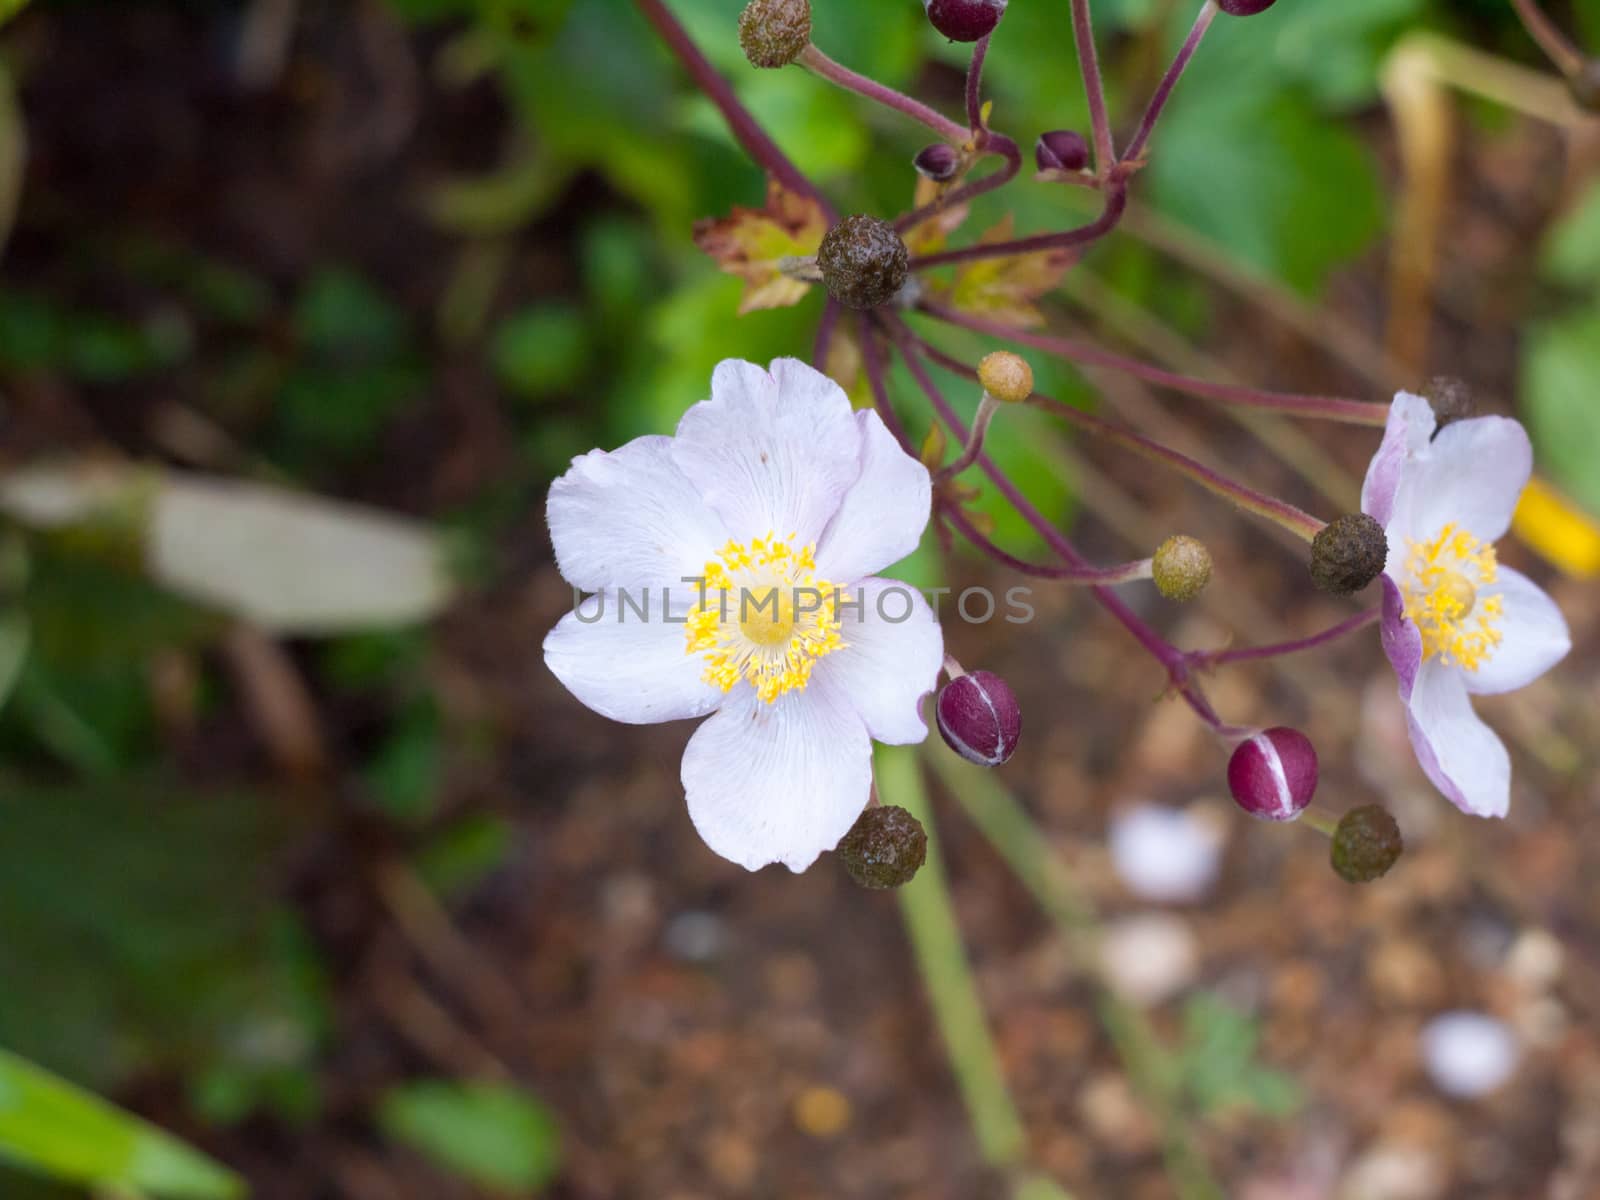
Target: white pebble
(1150,957)
(1469,1054)
(1165,854)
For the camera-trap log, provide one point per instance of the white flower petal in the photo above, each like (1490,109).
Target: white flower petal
(1411,424)
(629,518)
(891,659)
(778,782)
(771,453)
(1534,633)
(1471,475)
(630,668)
(883,514)
(1464,758)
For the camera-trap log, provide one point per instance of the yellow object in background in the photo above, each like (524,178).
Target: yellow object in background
(1558,530)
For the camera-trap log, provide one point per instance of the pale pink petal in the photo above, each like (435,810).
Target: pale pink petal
(778,782)
(770,453)
(1411,424)
(627,667)
(1465,759)
(1470,475)
(883,514)
(1534,636)
(628,518)
(891,660)
(1402,640)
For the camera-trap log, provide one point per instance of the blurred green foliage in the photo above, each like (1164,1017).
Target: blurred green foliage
(496,1135)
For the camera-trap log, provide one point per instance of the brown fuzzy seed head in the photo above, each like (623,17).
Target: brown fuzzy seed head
(1348,554)
(1450,399)
(884,848)
(1006,376)
(863,262)
(772,33)
(1366,844)
(1585,86)
(1181,567)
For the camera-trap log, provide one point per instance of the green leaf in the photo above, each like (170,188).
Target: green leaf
(1560,386)
(54,1128)
(1281,187)
(463,855)
(13,650)
(542,349)
(341,313)
(495,1135)
(1571,250)
(1218,1067)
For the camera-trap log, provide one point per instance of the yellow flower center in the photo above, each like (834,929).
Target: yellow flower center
(1442,579)
(763,616)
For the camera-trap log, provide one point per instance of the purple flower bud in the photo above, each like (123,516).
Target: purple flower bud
(965,20)
(1244,8)
(1061,150)
(979,718)
(938,162)
(1274,774)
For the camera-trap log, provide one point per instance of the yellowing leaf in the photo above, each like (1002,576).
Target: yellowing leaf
(844,367)
(755,244)
(1558,530)
(1005,288)
(929,237)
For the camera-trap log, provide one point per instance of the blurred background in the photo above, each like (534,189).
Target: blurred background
(306,859)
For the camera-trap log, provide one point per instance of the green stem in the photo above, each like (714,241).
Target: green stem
(1007,827)
(930,919)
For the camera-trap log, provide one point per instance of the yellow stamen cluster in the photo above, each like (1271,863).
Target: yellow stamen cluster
(763,616)
(1442,579)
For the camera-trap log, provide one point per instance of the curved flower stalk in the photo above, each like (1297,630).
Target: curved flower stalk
(732,571)
(1455,622)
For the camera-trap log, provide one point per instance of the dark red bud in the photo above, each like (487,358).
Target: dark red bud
(1244,8)
(979,718)
(965,20)
(939,162)
(1273,774)
(1061,150)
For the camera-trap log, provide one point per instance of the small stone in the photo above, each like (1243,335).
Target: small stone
(1150,957)
(1348,553)
(773,33)
(863,261)
(1165,854)
(1469,1054)
(1181,568)
(822,1112)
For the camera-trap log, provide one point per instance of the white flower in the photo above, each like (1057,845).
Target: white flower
(1455,622)
(750,539)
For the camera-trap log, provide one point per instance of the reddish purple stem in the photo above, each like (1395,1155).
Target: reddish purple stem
(974,82)
(1333,408)
(993,143)
(745,127)
(1169,81)
(1116,201)
(1205,659)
